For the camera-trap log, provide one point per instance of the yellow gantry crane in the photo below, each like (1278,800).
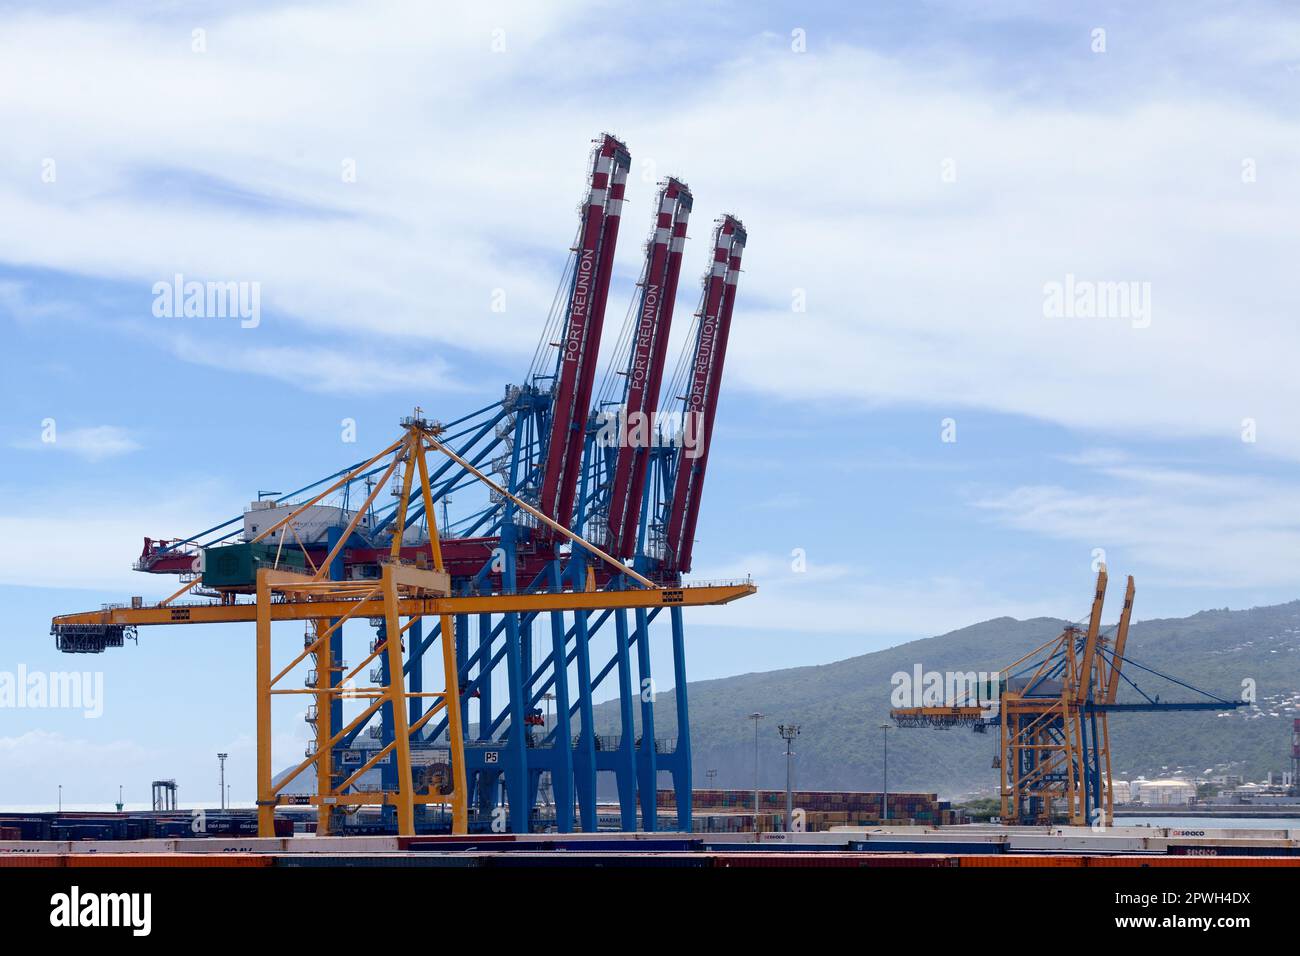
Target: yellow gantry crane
(1054,723)
(1051,707)
(404,593)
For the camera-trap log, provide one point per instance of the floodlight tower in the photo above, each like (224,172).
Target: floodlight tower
(788,732)
(884,796)
(222,759)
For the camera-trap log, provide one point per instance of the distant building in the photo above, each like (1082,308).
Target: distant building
(1261,794)
(1168,791)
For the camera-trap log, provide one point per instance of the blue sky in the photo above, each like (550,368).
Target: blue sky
(917,174)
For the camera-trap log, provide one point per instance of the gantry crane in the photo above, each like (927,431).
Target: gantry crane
(512,567)
(1052,709)
(404,590)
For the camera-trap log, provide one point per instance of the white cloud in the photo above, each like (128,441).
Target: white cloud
(1191,529)
(918,290)
(842,598)
(43,752)
(91,443)
(80,541)
(324,369)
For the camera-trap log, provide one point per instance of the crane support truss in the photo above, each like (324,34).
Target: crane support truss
(940,717)
(398,601)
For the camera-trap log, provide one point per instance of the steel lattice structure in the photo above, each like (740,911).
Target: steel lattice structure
(581,538)
(1052,711)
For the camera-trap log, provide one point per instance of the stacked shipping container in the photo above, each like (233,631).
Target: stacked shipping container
(822,808)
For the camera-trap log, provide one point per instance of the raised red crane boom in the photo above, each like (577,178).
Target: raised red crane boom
(645,369)
(580,344)
(705,382)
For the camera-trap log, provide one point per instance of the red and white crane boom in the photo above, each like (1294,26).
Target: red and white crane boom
(645,368)
(705,382)
(580,343)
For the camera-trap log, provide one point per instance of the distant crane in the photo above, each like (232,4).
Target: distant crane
(1052,707)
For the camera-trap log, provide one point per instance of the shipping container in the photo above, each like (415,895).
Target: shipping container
(236,565)
(168,859)
(1094,843)
(1192,861)
(379,860)
(347,844)
(1020,860)
(30,860)
(220,845)
(124,846)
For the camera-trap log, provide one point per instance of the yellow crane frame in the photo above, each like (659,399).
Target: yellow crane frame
(1047,732)
(401,591)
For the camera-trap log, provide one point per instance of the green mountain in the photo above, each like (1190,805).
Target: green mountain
(841,706)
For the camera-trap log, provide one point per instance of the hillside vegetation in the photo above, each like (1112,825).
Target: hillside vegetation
(840,707)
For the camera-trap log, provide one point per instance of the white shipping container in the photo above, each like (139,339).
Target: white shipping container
(123,846)
(1088,844)
(35,846)
(311,526)
(340,844)
(230,845)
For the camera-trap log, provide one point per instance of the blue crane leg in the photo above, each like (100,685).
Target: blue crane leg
(647,769)
(387,766)
(461,625)
(415,666)
(682,754)
(562,775)
(516,752)
(584,757)
(625,757)
(332,536)
(486,785)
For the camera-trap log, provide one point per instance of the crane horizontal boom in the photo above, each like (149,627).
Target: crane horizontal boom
(215,613)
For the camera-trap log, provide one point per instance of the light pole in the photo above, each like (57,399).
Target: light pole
(788,732)
(884,797)
(710,774)
(222,758)
(756,717)
(60,798)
